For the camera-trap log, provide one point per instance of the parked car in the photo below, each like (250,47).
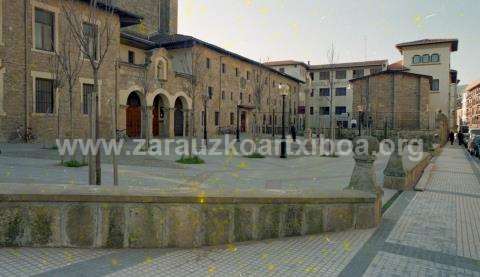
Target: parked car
(475,147)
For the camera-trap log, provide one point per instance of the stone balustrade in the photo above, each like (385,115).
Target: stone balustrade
(138,217)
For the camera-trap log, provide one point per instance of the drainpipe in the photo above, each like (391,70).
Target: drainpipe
(26,68)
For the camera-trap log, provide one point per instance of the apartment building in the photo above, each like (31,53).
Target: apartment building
(473,105)
(298,70)
(433,57)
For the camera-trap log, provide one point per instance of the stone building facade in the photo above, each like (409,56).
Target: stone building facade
(140,77)
(473,105)
(398,99)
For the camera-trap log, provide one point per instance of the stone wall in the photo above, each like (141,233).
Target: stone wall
(400,99)
(121,218)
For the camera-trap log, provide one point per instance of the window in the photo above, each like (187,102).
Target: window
(435,85)
(249,98)
(324,110)
(231,96)
(312,93)
(358,73)
(426,58)
(375,70)
(341,74)
(232,118)
(340,110)
(44,96)
(435,58)
(324,92)
(90,33)
(416,59)
(311,111)
(224,68)
(273,83)
(44,30)
(210,93)
(131,57)
(248,75)
(341,91)
(207,63)
(217,118)
(312,76)
(223,95)
(87,90)
(236,71)
(203,118)
(241,97)
(324,75)
(282,70)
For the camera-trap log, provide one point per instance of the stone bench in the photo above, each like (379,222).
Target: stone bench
(140,217)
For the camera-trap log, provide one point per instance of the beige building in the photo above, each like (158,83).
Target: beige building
(473,105)
(396,99)
(433,57)
(145,74)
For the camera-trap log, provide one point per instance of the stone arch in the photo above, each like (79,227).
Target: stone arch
(186,100)
(124,94)
(160,115)
(166,97)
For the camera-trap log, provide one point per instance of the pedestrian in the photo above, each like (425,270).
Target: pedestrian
(293,131)
(451,137)
(460,138)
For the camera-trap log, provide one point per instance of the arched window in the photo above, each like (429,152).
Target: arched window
(417,59)
(426,58)
(162,69)
(435,58)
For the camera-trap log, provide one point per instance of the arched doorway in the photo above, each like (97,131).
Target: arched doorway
(159,125)
(134,116)
(179,118)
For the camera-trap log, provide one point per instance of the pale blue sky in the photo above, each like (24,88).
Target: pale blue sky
(304,29)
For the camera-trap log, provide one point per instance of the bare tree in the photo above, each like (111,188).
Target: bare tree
(259,86)
(67,64)
(94,33)
(192,66)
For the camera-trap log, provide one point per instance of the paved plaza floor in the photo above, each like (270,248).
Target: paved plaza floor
(32,164)
(435,232)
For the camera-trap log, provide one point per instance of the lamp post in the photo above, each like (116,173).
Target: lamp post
(205,131)
(238,121)
(283,144)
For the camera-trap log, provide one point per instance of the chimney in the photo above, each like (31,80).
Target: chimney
(168,17)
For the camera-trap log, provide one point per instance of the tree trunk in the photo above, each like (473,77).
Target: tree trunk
(96,128)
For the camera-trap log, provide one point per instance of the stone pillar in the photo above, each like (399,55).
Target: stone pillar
(394,173)
(363,176)
(170,118)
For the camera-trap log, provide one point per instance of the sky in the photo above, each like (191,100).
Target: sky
(304,30)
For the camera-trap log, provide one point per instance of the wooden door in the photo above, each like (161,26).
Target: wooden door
(134,121)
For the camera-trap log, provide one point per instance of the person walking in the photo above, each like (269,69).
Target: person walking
(460,139)
(451,137)
(293,132)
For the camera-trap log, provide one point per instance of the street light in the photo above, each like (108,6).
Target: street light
(284,89)
(238,120)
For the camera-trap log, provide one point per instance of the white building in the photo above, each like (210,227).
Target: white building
(316,91)
(432,57)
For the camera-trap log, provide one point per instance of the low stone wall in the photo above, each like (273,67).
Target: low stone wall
(413,173)
(106,217)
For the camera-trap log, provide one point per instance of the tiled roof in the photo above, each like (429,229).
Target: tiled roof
(182,41)
(391,72)
(397,66)
(126,18)
(348,65)
(285,62)
(454,43)
(473,85)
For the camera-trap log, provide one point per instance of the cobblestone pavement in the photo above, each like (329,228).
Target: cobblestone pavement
(431,233)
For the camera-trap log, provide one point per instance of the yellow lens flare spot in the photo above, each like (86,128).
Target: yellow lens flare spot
(346,246)
(114,262)
(149,260)
(212,269)
(232,247)
(271,267)
(242,165)
(248,2)
(311,269)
